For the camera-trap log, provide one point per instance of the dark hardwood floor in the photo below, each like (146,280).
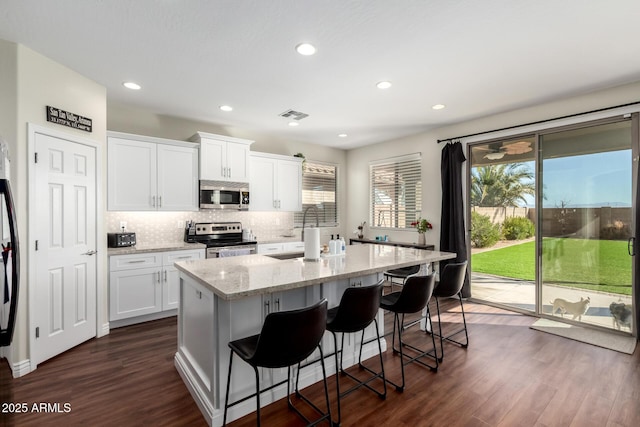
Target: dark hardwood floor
(510,375)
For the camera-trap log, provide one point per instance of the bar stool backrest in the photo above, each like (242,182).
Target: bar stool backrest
(358,307)
(451,280)
(415,294)
(288,337)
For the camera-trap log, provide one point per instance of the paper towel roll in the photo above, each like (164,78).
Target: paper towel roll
(312,243)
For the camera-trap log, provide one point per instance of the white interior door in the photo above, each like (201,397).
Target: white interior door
(64,285)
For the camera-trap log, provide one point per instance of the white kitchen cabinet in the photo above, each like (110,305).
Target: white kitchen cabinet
(279,248)
(293,246)
(270,248)
(151,174)
(145,284)
(223,158)
(275,183)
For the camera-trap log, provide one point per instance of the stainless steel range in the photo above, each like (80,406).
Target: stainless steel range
(222,238)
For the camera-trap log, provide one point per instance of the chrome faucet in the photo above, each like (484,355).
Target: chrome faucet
(304,218)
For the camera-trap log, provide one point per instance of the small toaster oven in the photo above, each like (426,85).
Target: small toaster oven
(121,240)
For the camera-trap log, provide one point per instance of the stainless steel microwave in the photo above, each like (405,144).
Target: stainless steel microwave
(224,195)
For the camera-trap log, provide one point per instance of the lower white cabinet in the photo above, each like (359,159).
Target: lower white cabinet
(280,248)
(145,284)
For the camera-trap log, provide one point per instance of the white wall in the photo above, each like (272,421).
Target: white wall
(35,82)
(358,159)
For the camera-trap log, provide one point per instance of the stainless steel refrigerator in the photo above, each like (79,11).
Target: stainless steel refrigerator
(10,266)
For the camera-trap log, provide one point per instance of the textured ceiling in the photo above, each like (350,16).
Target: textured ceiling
(476,57)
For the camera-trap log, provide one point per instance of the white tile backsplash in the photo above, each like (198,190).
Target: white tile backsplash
(158,227)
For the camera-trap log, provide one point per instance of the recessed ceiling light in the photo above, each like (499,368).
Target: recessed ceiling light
(342,135)
(226,108)
(383,85)
(132,85)
(306,49)
(438,107)
(293,124)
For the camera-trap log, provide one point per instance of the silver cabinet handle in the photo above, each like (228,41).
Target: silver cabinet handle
(222,171)
(159,201)
(158,277)
(276,304)
(165,275)
(229,170)
(153,201)
(267,308)
(138,261)
(90,253)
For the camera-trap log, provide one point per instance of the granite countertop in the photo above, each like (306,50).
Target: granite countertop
(242,276)
(156,247)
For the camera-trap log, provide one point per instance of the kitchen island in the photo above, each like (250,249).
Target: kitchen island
(224,299)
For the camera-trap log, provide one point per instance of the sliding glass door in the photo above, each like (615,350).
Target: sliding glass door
(585,218)
(552,221)
(502,194)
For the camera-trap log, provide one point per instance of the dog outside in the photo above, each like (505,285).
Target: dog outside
(596,308)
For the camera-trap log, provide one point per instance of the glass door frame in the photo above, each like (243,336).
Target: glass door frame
(635,233)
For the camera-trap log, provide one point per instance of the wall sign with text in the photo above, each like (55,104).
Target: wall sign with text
(66,118)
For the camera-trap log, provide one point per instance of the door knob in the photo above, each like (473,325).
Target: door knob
(90,253)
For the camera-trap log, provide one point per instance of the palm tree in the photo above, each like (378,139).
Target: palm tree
(501,185)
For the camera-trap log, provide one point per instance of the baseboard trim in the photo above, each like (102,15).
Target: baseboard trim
(139,319)
(21,368)
(104,330)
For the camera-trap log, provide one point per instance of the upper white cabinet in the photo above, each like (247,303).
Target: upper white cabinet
(275,183)
(223,158)
(150,174)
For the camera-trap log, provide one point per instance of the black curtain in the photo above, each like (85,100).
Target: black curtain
(452,231)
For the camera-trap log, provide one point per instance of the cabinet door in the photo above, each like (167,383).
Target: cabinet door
(131,180)
(171,276)
(134,293)
(177,178)
(237,162)
(213,155)
(289,186)
(261,184)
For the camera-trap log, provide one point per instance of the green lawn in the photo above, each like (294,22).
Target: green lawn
(602,265)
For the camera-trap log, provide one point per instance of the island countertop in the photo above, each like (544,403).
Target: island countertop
(237,277)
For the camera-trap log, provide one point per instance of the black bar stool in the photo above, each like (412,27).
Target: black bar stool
(357,309)
(413,298)
(450,284)
(400,273)
(286,339)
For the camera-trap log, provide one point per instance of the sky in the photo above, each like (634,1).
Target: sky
(594,180)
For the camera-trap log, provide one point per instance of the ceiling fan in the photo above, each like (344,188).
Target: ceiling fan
(511,149)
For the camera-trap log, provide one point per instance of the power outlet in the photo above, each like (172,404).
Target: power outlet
(180,224)
(123,225)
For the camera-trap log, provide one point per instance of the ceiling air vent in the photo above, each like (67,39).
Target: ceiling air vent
(292,114)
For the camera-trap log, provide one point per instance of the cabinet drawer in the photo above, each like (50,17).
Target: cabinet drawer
(170,257)
(294,247)
(270,248)
(129,262)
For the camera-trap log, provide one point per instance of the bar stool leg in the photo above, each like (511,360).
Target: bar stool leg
(226,399)
(338,372)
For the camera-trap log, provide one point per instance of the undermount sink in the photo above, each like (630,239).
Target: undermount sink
(289,255)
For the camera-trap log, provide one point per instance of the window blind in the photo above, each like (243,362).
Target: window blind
(396,191)
(319,189)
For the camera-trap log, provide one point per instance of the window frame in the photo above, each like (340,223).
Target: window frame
(401,212)
(297,220)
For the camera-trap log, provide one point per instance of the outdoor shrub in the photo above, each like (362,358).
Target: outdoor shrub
(517,228)
(483,232)
(617,231)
